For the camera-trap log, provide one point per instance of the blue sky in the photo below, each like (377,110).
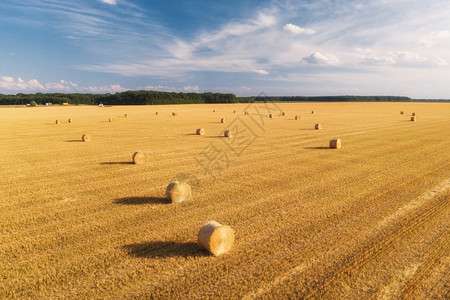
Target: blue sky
(280,47)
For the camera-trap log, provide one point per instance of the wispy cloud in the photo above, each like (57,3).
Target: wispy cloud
(111,2)
(297,29)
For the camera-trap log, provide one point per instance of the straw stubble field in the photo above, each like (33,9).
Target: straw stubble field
(80,220)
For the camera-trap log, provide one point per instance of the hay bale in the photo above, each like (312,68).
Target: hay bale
(126,115)
(312,112)
(413,114)
(335,143)
(246,113)
(297,117)
(70,120)
(174,114)
(222,120)
(413,119)
(111,120)
(57,121)
(178,192)
(402,112)
(86,137)
(283,114)
(234,111)
(156,113)
(216,238)
(228,133)
(318,126)
(270,116)
(200,131)
(214,110)
(140,158)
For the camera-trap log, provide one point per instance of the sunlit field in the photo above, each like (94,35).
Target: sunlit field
(80,220)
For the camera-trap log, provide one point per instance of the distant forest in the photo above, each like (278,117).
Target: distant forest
(124,98)
(157,98)
(330,99)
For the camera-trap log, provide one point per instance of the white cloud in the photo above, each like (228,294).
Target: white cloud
(161,88)
(111,2)
(434,37)
(318,58)
(298,30)
(262,72)
(9,85)
(402,59)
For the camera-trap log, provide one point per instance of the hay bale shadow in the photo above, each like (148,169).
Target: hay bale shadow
(317,148)
(117,163)
(141,200)
(160,249)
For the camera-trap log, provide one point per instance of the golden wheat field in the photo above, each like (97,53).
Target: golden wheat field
(79,220)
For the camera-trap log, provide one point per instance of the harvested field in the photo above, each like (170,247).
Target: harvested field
(80,220)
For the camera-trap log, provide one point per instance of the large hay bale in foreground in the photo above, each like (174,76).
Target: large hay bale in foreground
(335,143)
(70,120)
(86,137)
(111,120)
(216,238)
(200,131)
(413,119)
(222,120)
(297,117)
(228,133)
(178,192)
(318,126)
(57,122)
(140,158)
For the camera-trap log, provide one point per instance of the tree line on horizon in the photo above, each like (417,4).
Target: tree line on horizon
(122,98)
(158,98)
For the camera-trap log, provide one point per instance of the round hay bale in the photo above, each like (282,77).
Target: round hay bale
(214,110)
(413,114)
(312,112)
(70,120)
(413,119)
(156,113)
(86,137)
(318,126)
(402,112)
(174,114)
(140,158)
(126,115)
(200,131)
(216,238)
(335,143)
(283,114)
(234,112)
(178,192)
(246,113)
(57,121)
(228,133)
(222,120)
(297,117)
(111,120)
(270,116)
